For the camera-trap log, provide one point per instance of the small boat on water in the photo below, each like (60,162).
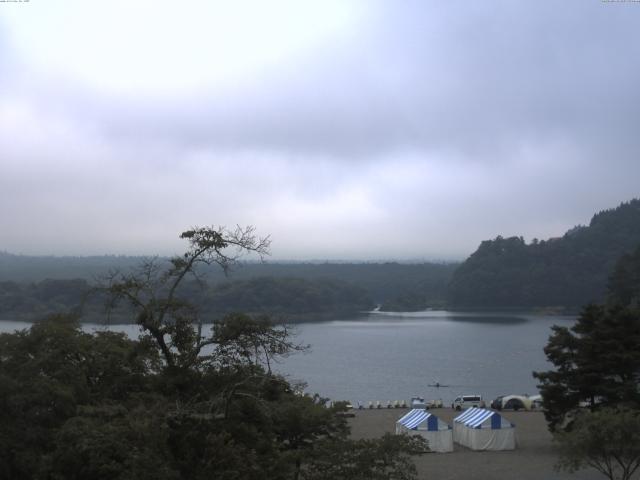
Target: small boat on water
(437,385)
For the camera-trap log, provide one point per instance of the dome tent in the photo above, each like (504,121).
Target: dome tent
(482,429)
(437,433)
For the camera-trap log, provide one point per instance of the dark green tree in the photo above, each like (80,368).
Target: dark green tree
(112,442)
(176,403)
(563,272)
(597,363)
(624,283)
(49,373)
(386,458)
(607,440)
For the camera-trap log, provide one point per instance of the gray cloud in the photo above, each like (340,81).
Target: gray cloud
(429,128)
(477,81)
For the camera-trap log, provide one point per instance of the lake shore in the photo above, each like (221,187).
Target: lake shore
(533,459)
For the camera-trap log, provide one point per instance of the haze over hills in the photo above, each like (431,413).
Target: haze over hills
(559,273)
(382,280)
(31,287)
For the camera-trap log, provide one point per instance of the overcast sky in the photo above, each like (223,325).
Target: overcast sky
(344,129)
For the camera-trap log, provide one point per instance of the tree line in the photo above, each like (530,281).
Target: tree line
(568,272)
(291,299)
(315,290)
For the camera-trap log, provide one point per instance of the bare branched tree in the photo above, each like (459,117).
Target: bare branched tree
(151,290)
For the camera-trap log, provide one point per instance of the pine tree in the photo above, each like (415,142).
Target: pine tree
(597,363)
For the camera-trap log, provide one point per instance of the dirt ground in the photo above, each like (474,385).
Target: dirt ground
(533,458)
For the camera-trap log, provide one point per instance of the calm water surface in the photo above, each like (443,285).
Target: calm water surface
(394,356)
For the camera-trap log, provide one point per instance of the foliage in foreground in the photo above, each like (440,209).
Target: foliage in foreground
(597,363)
(75,405)
(607,440)
(592,397)
(386,458)
(179,403)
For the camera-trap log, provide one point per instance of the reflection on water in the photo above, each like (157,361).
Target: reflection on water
(502,320)
(482,317)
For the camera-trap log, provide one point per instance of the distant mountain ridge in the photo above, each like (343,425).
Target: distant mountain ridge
(31,287)
(383,281)
(567,272)
(27,268)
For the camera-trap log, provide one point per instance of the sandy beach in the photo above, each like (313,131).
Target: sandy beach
(533,458)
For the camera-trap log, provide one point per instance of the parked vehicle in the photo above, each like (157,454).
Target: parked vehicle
(467,401)
(517,402)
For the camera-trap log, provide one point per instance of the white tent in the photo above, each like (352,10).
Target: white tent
(420,422)
(482,429)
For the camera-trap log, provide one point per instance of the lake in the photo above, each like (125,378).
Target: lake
(394,356)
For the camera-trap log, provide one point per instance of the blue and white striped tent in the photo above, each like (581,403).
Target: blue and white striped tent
(420,422)
(482,429)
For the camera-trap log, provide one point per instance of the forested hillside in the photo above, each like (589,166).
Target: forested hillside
(34,286)
(293,298)
(624,283)
(32,301)
(288,299)
(567,272)
(25,268)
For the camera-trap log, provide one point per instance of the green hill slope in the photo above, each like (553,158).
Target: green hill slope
(568,272)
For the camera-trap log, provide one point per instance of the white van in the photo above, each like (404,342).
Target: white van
(466,401)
